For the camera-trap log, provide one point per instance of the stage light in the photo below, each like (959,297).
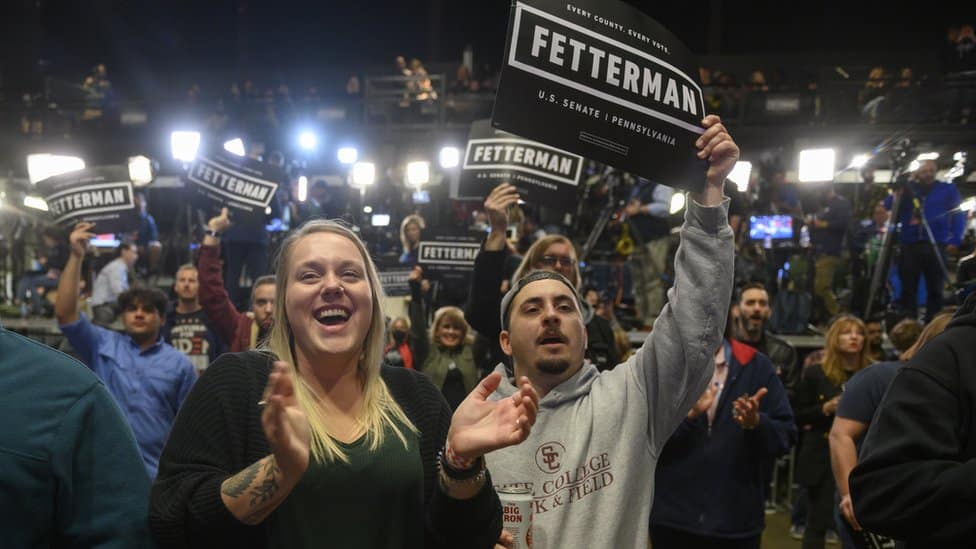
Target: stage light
(968,205)
(860,160)
(235,146)
(928,156)
(367,209)
(347,155)
(302,188)
(450,157)
(740,175)
(308,140)
(43,166)
(418,173)
(677,202)
(959,156)
(914,165)
(380,220)
(35,202)
(816,165)
(140,170)
(363,173)
(184,145)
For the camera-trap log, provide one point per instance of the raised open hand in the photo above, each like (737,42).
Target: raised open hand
(480,426)
(284,422)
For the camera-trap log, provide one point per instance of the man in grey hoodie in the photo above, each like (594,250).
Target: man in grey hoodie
(590,458)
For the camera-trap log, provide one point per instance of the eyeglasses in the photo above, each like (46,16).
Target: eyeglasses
(552,260)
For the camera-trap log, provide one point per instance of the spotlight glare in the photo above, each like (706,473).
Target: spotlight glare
(184,145)
(35,202)
(928,156)
(968,205)
(363,173)
(913,166)
(235,146)
(302,188)
(347,155)
(860,160)
(418,173)
(677,202)
(450,157)
(816,165)
(308,140)
(43,166)
(740,175)
(367,209)
(140,170)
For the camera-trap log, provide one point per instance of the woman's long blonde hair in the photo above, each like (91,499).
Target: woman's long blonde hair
(455,314)
(379,409)
(832,364)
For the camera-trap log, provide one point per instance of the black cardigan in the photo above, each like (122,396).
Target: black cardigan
(218,432)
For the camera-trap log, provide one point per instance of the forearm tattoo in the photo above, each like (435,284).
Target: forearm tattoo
(269,486)
(237,484)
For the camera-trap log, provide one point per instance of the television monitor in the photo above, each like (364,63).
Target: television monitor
(773,227)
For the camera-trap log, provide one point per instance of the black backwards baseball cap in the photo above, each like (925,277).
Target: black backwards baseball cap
(584,307)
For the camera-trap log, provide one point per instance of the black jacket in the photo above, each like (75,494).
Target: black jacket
(813,457)
(916,476)
(218,433)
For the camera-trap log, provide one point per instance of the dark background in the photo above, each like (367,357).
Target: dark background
(143,41)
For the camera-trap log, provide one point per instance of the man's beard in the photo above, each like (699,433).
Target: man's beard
(752,327)
(552,365)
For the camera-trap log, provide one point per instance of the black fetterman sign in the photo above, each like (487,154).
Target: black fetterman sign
(542,174)
(601,79)
(244,185)
(101,194)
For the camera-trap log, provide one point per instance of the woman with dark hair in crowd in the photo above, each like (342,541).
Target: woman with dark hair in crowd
(446,354)
(399,347)
(312,443)
(549,253)
(817,395)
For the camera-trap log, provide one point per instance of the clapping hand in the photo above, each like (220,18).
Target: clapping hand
(745,409)
(480,425)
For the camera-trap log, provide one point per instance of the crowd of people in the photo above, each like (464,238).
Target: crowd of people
(230,422)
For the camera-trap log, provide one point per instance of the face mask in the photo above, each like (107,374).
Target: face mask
(399,337)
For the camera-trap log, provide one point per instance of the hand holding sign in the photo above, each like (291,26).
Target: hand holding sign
(221,222)
(499,200)
(716,146)
(79,238)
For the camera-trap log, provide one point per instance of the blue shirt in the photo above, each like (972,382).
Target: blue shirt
(941,207)
(149,386)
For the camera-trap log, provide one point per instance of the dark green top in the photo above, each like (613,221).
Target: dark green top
(376,501)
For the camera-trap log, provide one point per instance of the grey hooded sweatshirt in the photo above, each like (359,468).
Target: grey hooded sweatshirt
(591,455)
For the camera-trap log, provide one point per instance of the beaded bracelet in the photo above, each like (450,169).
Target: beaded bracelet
(474,471)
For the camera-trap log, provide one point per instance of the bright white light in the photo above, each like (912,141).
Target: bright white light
(450,157)
(235,146)
(418,173)
(43,166)
(367,209)
(348,155)
(302,188)
(184,145)
(140,170)
(816,165)
(380,220)
(860,160)
(363,173)
(267,210)
(959,156)
(740,175)
(35,202)
(677,202)
(914,165)
(928,156)
(308,140)
(968,205)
